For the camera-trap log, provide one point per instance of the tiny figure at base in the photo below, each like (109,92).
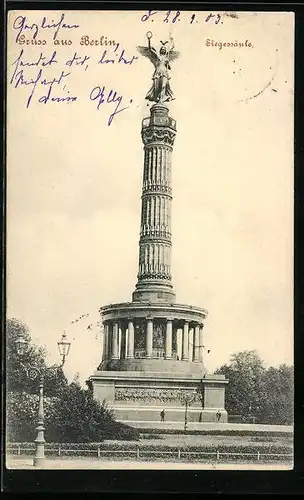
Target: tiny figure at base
(218,416)
(200,417)
(162,416)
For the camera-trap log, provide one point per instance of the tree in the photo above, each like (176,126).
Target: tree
(71,413)
(16,379)
(278,404)
(244,393)
(254,391)
(18,367)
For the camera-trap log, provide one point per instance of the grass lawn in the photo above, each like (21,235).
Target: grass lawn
(221,440)
(184,440)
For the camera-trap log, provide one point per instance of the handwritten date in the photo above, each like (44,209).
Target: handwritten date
(174,16)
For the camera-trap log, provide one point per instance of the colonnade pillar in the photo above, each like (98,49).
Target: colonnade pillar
(201,341)
(196,343)
(168,352)
(179,342)
(130,346)
(149,338)
(191,349)
(105,342)
(115,342)
(191,343)
(185,349)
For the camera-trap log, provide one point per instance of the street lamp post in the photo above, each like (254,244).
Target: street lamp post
(187,399)
(33,372)
(186,415)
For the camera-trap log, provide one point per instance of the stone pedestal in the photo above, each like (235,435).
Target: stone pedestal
(137,396)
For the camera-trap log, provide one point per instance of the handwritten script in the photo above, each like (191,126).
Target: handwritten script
(45,74)
(45,77)
(21,24)
(176,16)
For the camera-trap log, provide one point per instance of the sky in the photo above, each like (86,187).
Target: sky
(74,182)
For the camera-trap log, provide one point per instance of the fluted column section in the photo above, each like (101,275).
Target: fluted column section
(154,269)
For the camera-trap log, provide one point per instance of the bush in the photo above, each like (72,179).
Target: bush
(80,418)
(74,416)
(21,415)
(123,432)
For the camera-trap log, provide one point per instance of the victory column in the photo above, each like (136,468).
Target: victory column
(153,347)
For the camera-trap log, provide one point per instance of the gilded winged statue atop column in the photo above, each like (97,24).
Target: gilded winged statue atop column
(160,91)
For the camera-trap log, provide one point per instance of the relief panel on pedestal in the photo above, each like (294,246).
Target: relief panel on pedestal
(148,395)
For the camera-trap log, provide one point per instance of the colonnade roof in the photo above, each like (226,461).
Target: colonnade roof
(146,310)
(156,305)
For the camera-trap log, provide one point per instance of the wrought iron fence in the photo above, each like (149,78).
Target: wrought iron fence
(140,452)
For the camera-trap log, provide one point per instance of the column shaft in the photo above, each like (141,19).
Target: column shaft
(158,135)
(149,339)
(130,350)
(123,342)
(105,353)
(179,343)
(115,340)
(197,343)
(120,333)
(190,344)
(201,341)
(168,354)
(185,341)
